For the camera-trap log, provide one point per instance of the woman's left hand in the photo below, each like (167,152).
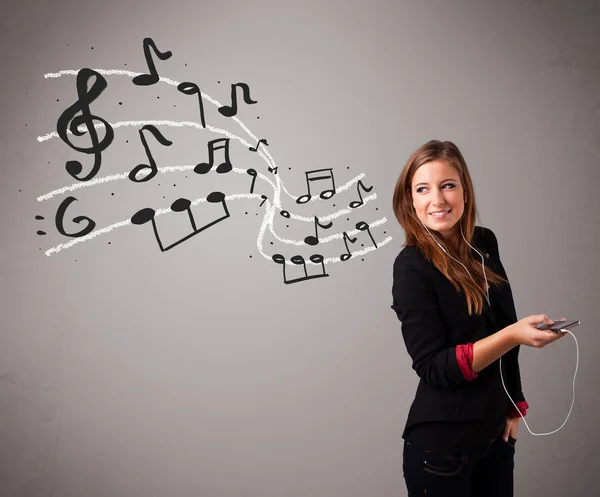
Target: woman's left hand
(511,427)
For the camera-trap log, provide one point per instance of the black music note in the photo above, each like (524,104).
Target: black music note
(69,120)
(253,173)
(318,176)
(264,197)
(362,226)
(60,215)
(299,260)
(230,111)
(152,78)
(140,167)
(262,140)
(181,205)
(347,255)
(285,214)
(189,88)
(314,240)
(224,167)
(273,170)
(358,203)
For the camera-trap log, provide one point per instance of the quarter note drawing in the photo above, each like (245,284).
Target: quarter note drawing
(253,173)
(181,205)
(314,240)
(318,175)
(362,226)
(225,166)
(344,257)
(230,111)
(69,120)
(299,261)
(262,140)
(358,203)
(273,169)
(60,215)
(188,88)
(152,77)
(152,166)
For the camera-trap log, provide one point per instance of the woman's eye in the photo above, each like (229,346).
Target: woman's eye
(447,184)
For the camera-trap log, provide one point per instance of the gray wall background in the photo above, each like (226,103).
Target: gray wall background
(129,372)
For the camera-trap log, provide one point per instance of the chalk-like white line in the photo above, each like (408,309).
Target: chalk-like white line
(160,212)
(263,152)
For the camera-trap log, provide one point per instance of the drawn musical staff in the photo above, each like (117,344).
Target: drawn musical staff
(358,203)
(299,260)
(264,197)
(262,140)
(314,240)
(253,173)
(362,226)
(69,120)
(347,255)
(230,111)
(140,167)
(222,168)
(180,205)
(152,78)
(188,88)
(273,169)
(60,215)
(318,175)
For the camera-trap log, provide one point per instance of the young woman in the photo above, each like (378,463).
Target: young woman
(459,325)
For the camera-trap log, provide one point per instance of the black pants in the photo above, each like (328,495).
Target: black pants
(483,472)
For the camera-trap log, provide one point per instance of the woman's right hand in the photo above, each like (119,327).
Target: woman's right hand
(526,333)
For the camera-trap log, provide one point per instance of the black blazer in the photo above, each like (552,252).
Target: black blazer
(435,320)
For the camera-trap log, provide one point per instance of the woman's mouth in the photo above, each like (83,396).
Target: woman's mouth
(440,214)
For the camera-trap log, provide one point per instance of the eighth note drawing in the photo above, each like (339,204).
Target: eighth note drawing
(152,78)
(222,168)
(362,226)
(314,240)
(141,167)
(299,260)
(358,203)
(230,111)
(318,175)
(344,257)
(180,205)
(188,88)
(253,173)
(262,140)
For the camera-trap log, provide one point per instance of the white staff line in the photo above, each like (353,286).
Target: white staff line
(131,74)
(264,153)
(159,212)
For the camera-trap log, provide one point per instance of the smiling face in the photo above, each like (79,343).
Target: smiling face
(436,187)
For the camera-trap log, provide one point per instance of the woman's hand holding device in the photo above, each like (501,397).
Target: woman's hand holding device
(539,330)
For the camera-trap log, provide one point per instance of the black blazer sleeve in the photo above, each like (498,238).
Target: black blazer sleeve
(423,329)
(509,316)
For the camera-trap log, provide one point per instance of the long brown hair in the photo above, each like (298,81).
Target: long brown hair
(417,235)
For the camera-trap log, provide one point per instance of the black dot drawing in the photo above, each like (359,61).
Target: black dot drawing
(92,48)
(384,232)
(57,100)
(348,167)
(120,103)
(250,257)
(271,243)
(157,97)
(334,205)
(287,225)
(246,213)
(174,184)
(218,81)
(126,141)
(109,243)
(125,63)
(376,208)
(257,117)
(112,193)
(185,65)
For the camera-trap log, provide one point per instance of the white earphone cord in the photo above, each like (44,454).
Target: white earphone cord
(500,363)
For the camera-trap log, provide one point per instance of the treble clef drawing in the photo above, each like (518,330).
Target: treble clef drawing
(83,123)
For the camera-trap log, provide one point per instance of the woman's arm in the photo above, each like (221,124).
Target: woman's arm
(490,348)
